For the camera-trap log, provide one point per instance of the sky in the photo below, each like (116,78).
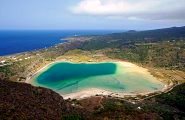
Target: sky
(91,14)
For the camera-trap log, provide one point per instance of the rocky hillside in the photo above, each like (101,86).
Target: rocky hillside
(22,101)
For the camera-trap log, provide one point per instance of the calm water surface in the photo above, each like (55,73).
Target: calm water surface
(68,78)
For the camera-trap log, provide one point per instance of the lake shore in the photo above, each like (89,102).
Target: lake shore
(100,92)
(94,91)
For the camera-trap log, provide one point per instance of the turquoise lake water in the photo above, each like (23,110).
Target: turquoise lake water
(68,78)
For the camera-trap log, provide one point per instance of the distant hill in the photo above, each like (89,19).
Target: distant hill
(158,34)
(130,37)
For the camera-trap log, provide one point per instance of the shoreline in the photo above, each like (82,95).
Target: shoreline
(100,92)
(90,92)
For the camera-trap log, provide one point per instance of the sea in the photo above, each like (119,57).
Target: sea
(17,41)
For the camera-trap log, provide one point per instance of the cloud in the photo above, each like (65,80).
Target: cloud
(138,9)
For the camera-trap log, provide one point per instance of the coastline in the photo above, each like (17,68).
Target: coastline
(100,92)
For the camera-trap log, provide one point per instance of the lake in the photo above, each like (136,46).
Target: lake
(118,77)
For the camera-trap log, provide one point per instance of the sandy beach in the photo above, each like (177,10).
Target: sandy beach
(94,91)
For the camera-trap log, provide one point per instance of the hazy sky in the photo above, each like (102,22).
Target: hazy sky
(91,14)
